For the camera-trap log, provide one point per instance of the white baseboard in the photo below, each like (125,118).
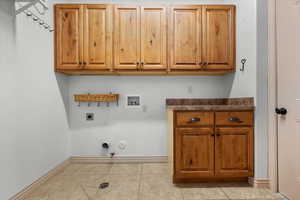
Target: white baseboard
(27,190)
(259,182)
(123,159)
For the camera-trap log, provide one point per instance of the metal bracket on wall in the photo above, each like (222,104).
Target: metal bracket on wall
(40,6)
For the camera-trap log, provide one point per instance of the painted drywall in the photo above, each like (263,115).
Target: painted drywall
(145,130)
(34,130)
(261,141)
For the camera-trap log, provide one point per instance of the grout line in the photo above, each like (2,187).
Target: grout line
(140,182)
(181,192)
(224,192)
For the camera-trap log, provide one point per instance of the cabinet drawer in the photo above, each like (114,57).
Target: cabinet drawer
(194,119)
(234,118)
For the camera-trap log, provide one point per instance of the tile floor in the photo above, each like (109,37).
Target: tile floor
(136,182)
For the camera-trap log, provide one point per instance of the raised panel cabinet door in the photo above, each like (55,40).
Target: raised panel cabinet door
(234,152)
(185,38)
(218,37)
(194,153)
(127,38)
(98,46)
(68,36)
(153,38)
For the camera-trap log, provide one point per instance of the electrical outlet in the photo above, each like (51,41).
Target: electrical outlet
(89,116)
(298,179)
(122,145)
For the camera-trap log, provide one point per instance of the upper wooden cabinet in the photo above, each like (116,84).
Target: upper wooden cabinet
(120,39)
(202,37)
(185,38)
(140,38)
(218,37)
(83,37)
(69,36)
(153,38)
(127,37)
(98,44)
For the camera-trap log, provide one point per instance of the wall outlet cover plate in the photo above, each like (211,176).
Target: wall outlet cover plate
(89,116)
(133,101)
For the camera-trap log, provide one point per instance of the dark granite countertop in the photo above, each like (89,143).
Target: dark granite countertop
(211,104)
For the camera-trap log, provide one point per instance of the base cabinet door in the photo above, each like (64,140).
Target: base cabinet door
(194,153)
(234,152)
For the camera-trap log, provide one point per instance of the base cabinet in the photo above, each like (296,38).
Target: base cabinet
(207,151)
(195,152)
(234,152)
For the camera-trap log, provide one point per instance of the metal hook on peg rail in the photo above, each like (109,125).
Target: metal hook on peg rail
(243,61)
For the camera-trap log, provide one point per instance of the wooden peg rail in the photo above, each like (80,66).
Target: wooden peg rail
(96,97)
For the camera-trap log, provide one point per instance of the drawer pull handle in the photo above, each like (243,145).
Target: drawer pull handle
(235,119)
(194,119)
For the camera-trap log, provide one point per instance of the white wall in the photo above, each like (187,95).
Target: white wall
(34,131)
(262,90)
(144,129)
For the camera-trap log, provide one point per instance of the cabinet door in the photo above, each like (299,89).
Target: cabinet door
(234,152)
(153,38)
(185,37)
(127,38)
(69,36)
(98,37)
(219,37)
(194,153)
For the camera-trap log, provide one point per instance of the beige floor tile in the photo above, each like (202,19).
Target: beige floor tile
(126,169)
(121,187)
(153,168)
(158,187)
(38,195)
(203,193)
(80,194)
(249,193)
(102,168)
(136,182)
